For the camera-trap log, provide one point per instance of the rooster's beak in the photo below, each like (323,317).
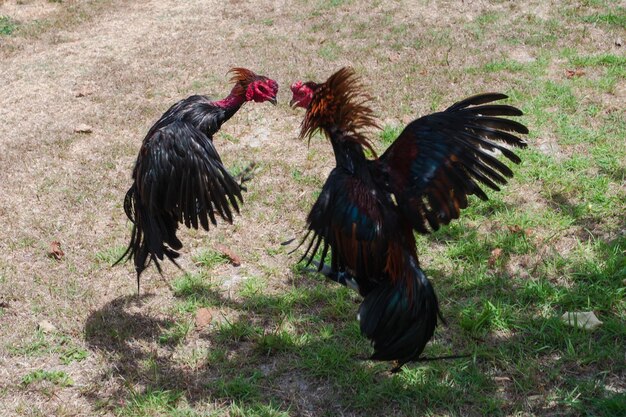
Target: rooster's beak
(293,103)
(273,101)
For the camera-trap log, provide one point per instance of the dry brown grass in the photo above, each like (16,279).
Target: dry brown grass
(132,60)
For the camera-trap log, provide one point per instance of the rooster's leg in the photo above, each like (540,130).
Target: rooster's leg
(246,175)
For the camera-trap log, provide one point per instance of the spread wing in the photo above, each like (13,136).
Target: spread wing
(180,172)
(440,159)
(349,219)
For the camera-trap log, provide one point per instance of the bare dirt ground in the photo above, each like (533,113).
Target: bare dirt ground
(115,66)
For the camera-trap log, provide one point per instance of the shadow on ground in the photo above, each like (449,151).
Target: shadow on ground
(300,352)
(309,362)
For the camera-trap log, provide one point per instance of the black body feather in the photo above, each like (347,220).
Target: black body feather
(178,178)
(368,208)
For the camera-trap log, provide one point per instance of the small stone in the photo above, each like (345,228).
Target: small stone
(203,317)
(618,42)
(46,327)
(583,319)
(83,128)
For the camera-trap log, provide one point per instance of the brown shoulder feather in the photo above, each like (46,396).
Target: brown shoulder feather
(340,103)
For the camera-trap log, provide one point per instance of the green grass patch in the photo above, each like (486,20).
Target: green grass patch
(41,344)
(303,179)
(175,333)
(483,24)
(504,65)
(257,410)
(330,51)
(7,25)
(608,60)
(488,317)
(194,291)
(607,404)
(614,65)
(616,17)
(110,255)
(533,31)
(73,354)
(239,388)
(55,377)
(237,168)
(236,331)
(68,351)
(535,67)
(37,345)
(209,258)
(278,342)
(389,134)
(153,402)
(331,4)
(252,287)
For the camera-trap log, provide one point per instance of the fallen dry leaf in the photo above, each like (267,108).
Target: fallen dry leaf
(203,317)
(83,128)
(574,73)
(495,254)
(55,251)
(232,256)
(518,229)
(514,229)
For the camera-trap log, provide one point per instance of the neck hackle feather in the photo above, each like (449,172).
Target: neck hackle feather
(242,78)
(340,104)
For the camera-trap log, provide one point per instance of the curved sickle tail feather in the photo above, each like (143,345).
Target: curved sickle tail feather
(149,235)
(400,318)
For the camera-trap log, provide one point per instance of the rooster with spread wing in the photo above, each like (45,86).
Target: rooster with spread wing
(369,206)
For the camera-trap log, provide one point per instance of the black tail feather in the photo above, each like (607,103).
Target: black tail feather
(150,234)
(400,318)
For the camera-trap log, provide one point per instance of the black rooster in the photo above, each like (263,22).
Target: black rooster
(179,176)
(368,208)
